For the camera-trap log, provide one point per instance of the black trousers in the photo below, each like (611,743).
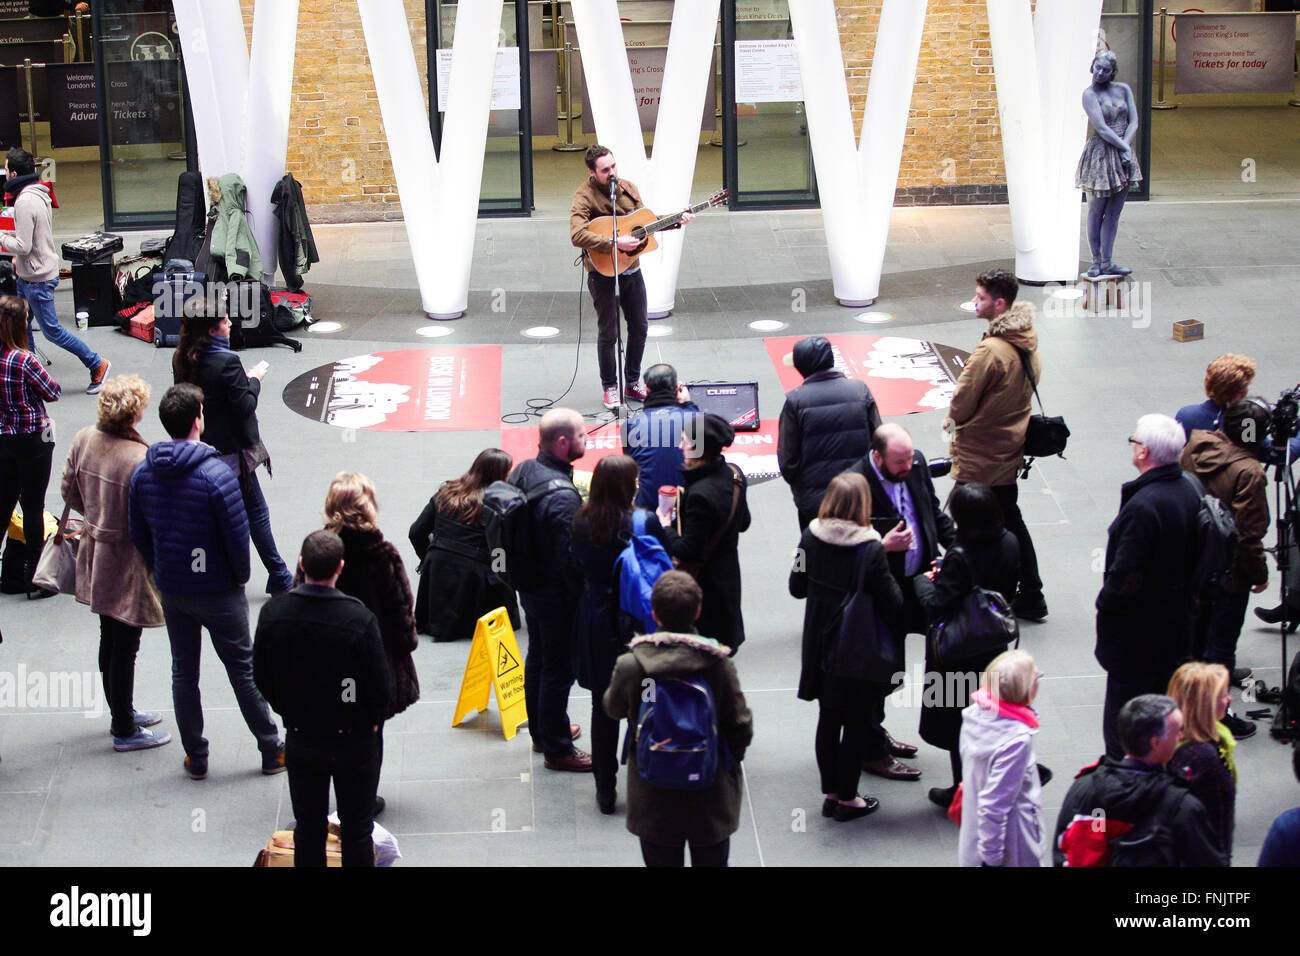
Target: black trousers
(850,732)
(1008,497)
(604,743)
(548,673)
(1119,691)
(352,761)
(25,462)
(632,296)
(118,645)
(657,855)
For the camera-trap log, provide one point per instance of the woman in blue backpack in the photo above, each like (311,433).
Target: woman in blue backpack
(602,528)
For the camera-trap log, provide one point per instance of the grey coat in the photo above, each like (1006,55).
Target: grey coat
(1001,811)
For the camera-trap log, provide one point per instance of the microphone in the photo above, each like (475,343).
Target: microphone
(613,186)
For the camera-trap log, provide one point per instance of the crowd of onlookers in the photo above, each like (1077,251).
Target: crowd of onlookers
(167,530)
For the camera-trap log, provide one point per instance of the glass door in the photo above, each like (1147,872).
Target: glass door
(507,185)
(768,160)
(146,139)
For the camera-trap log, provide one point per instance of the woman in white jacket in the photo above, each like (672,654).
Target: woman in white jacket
(1001,810)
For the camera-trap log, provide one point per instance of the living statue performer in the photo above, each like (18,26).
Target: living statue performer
(1108,165)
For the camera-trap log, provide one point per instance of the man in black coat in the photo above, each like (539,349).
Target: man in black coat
(1143,618)
(318,658)
(1132,811)
(549,608)
(826,426)
(905,511)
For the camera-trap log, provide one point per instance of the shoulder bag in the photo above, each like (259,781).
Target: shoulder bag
(856,644)
(982,622)
(1045,435)
(57,569)
(693,568)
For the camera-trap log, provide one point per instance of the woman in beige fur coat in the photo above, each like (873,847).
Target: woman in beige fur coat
(111,574)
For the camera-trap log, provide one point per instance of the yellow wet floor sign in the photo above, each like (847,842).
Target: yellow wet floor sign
(494,662)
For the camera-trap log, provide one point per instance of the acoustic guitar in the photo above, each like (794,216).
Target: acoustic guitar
(642,225)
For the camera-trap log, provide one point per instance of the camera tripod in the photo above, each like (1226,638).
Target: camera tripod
(1286,723)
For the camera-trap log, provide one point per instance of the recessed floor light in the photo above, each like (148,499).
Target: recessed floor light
(542,332)
(434,331)
(655,331)
(875,318)
(1066,292)
(766,325)
(324,328)
(967,306)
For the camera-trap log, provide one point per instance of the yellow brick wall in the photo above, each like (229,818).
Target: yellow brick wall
(337,148)
(338,152)
(953,135)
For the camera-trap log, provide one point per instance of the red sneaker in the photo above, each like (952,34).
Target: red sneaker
(611,398)
(635,391)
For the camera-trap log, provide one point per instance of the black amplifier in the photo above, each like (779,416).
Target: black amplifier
(737,402)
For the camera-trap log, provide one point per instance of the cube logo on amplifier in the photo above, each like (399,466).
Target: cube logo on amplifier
(737,402)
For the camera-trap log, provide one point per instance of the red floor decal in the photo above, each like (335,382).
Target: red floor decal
(904,375)
(411,390)
(753,452)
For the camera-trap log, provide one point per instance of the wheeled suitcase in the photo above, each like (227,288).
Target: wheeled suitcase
(180,288)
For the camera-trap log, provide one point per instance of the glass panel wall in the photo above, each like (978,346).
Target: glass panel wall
(769,155)
(142,122)
(506,188)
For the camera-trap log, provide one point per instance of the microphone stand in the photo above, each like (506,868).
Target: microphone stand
(621,410)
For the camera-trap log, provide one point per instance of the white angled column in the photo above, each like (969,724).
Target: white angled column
(665,181)
(266,119)
(439,197)
(857,184)
(216,70)
(1040,65)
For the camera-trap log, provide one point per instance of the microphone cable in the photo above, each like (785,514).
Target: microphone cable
(539,406)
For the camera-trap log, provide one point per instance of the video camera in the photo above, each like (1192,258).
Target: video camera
(1284,424)
(8,284)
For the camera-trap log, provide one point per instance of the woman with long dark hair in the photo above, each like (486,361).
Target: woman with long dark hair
(111,574)
(457,582)
(986,555)
(26,437)
(601,529)
(204,358)
(839,555)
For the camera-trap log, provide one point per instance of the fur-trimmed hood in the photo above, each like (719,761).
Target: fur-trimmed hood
(842,532)
(666,653)
(1016,325)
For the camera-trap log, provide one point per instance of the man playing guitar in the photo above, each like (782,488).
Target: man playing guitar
(592,201)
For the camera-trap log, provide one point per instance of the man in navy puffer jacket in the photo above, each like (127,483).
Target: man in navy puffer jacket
(187,518)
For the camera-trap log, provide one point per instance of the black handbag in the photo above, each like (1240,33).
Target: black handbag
(983,622)
(1045,435)
(857,644)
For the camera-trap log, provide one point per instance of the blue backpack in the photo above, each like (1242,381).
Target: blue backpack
(638,567)
(677,742)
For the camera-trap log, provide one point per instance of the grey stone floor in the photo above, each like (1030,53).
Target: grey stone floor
(466,796)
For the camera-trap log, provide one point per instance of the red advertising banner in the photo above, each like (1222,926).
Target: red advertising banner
(904,375)
(411,390)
